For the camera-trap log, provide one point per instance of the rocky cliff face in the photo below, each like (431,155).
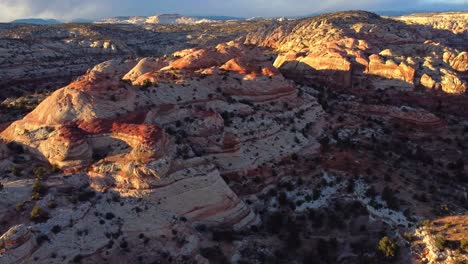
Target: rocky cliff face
(362,50)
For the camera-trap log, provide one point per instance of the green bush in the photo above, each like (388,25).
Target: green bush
(38,187)
(427,223)
(19,207)
(408,236)
(36,196)
(39,172)
(38,215)
(214,254)
(464,245)
(387,247)
(16,171)
(440,243)
(52,204)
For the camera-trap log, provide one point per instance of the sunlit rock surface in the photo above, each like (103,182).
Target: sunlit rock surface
(363,50)
(162,131)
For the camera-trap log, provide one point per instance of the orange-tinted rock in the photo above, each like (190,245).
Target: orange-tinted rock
(390,70)
(168,132)
(407,115)
(199,59)
(427,81)
(340,51)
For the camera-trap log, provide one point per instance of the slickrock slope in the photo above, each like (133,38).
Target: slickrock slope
(457,22)
(159,132)
(41,58)
(211,155)
(362,50)
(440,241)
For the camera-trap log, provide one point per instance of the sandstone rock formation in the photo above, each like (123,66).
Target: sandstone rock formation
(211,155)
(453,21)
(433,252)
(405,115)
(163,131)
(361,50)
(36,58)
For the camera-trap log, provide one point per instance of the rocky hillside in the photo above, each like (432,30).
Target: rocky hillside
(214,155)
(159,132)
(35,58)
(457,22)
(362,50)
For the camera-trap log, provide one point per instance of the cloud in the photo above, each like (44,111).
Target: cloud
(69,9)
(60,9)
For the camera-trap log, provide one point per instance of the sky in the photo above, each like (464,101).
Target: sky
(94,9)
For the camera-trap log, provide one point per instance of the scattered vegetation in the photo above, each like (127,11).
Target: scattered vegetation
(387,247)
(39,215)
(440,243)
(464,245)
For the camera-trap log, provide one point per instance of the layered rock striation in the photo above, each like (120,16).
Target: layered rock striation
(362,50)
(164,130)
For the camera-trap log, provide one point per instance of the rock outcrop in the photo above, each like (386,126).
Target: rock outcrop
(37,58)
(164,131)
(452,21)
(405,115)
(362,50)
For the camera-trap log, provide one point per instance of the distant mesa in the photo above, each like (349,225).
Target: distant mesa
(166,19)
(36,21)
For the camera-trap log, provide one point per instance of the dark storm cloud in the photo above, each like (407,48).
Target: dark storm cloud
(69,9)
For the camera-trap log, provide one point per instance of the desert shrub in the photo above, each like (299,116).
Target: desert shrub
(77,259)
(39,172)
(41,239)
(52,204)
(109,216)
(16,171)
(56,229)
(440,243)
(55,169)
(86,195)
(38,215)
(274,223)
(38,187)
(408,236)
(389,197)
(464,245)
(19,207)
(36,196)
(214,254)
(427,223)
(387,247)
(223,235)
